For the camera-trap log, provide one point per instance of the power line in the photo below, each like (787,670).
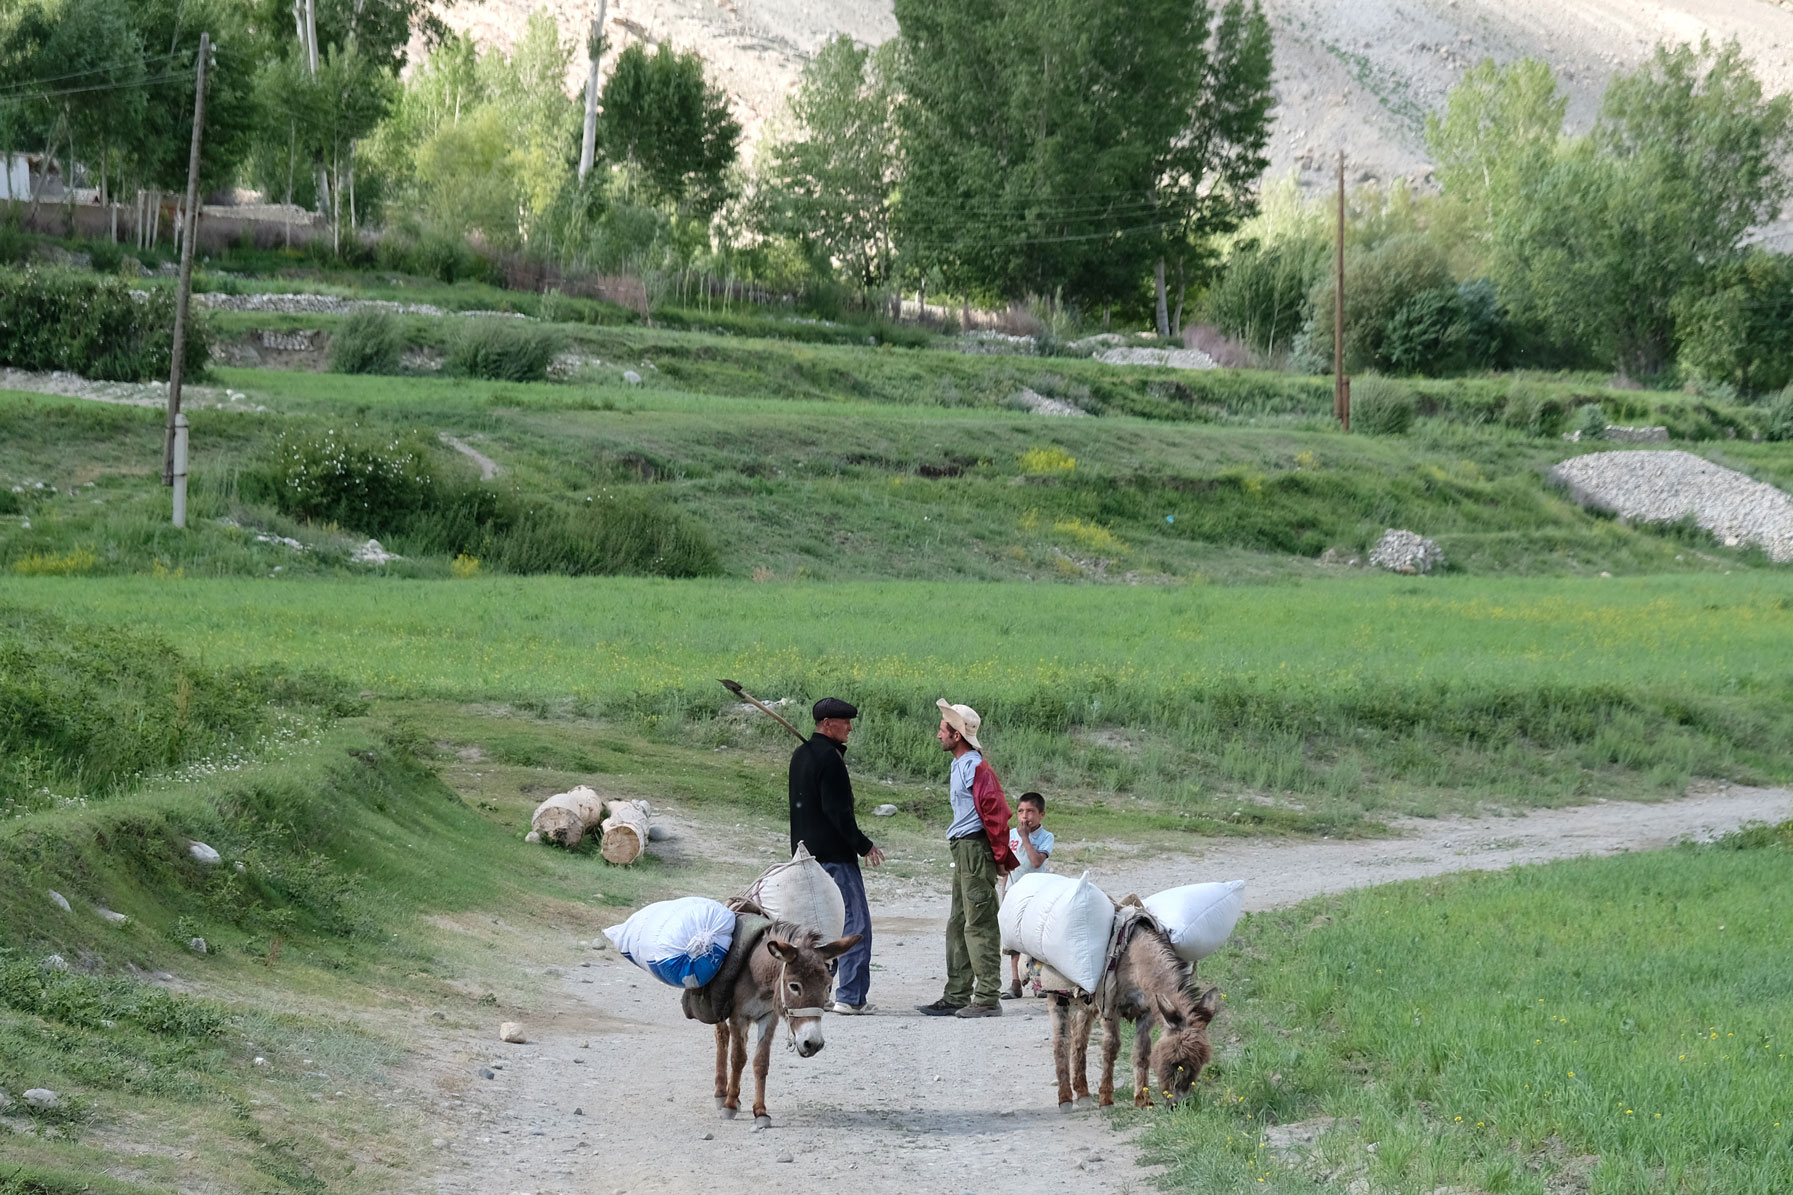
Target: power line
(145,82)
(27,87)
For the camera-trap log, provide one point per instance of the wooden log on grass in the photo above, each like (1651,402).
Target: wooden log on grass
(625,832)
(565,818)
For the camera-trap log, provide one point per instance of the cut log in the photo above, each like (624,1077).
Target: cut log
(625,832)
(565,818)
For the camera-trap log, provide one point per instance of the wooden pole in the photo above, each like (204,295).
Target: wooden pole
(185,287)
(1341,386)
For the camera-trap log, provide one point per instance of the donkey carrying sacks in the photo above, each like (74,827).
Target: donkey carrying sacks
(679,942)
(1064,923)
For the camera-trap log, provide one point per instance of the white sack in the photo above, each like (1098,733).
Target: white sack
(679,942)
(1199,917)
(802,891)
(1064,923)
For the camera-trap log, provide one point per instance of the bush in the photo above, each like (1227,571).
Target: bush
(1528,409)
(105,256)
(1263,295)
(1425,334)
(1380,406)
(503,350)
(1378,283)
(369,341)
(1737,334)
(1778,423)
(15,245)
(93,326)
(1589,420)
(345,478)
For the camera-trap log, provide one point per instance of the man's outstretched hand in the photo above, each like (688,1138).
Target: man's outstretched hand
(875,857)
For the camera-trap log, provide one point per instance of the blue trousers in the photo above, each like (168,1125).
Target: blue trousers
(853,970)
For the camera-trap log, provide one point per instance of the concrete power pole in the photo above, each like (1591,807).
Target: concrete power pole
(188,234)
(594,45)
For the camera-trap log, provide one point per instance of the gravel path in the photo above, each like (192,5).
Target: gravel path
(615,1094)
(301,304)
(1665,487)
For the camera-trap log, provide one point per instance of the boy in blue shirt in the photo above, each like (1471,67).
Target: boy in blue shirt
(1032,844)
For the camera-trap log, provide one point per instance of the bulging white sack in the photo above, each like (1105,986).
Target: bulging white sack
(804,892)
(679,942)
(1199,917)
(1063,922)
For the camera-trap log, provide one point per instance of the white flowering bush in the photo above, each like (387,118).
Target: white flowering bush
(341,476)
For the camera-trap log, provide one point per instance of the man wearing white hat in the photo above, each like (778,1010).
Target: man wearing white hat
(978,840)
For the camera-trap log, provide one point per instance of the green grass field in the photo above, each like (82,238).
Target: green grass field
(1617,1027)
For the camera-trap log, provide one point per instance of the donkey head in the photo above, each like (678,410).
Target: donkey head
(804,985)
(1182,1051)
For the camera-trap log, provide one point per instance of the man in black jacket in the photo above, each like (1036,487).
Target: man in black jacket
(822,820)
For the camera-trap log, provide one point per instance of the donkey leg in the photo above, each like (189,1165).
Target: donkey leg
(1061,1050)
(721,1063)
(762,1062)
(737,1037)
(1111,1049)
(1086,1021)
(1142,1060)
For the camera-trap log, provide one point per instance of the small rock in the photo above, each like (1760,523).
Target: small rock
(204,854)
(41,1098)
(785,1158)
(631,377)
(54,962)
(198,946)
(60,901)
(260,1061)
(707,1137)
(438,1142)
(512,1032)
(486,1072)
(535,1132)
(658,833)
(532,836)
(885,811)
(114,917)
(241,866)
(439,1016)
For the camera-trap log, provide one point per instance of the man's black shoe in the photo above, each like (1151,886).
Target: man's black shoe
(939,1008)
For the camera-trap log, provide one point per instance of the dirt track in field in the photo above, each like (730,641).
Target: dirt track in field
(614,1093)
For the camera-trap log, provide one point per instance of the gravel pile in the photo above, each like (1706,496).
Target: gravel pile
(1039,404)
(1406,552)
(1665,487)
(309,304)
(1173,358)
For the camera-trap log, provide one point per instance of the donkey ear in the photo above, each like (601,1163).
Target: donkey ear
(1208,1005)
(784,950)
(1169,1013)
(838,948)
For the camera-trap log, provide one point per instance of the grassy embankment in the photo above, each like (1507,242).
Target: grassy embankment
(838,463)
(1614,1026)
(1225,709)
(291,1071)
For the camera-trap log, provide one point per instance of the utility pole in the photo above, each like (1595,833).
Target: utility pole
(594,45)
(185,290)
(1341,385)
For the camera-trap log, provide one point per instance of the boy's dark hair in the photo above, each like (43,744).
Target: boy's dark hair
(1036,798)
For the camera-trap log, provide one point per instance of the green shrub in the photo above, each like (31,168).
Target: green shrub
(1590,420)
(1425,334)
(1778,421)
(93,326)
(15,245)
(1380,406)
(1737,334)
(369,341)
(344,477)
(1378,283)
(105,256)
(1262,298)
(502,350)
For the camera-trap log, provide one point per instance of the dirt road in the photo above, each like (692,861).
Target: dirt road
(615,1094)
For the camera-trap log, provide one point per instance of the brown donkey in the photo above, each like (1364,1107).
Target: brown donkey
(785,978)
(1149,985)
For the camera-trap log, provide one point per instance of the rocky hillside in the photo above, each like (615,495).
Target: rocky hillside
(1353,74)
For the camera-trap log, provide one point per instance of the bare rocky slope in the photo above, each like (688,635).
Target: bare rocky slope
(1357,75)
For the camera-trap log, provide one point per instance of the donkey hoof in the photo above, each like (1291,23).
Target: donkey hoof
(729,1113)
(720,1100)
(1067,1106)
(762,1122)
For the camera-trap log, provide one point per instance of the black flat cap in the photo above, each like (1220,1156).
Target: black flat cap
(833,707)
